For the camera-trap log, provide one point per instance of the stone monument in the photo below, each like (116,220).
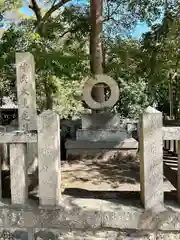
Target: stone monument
(100,131)
(26,94)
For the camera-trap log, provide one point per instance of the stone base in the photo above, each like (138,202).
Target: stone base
(90,149)
(51,234)
(101,135)
(100,121)
(91,219)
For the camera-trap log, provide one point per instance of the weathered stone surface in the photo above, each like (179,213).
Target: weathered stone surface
(18,137)
(100,149)
(3,215)
(95,235)
(90,235)
(22,217)
(45,235)
(52,234)
(168,236)
(26,91)
(151,158)
(101,135)
(83,214)
(14,234)
(178,170)
(171,133)
(18,169)
(84,144)
(100,121)
(90,83)
(3,153)
(49,158)
(26,94)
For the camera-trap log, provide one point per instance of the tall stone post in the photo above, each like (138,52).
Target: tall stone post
(178,172)
(18,168)
(26,94)
(49,158)
(151,158)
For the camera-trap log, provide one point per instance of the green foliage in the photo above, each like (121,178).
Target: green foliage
(141,68)
(133,98)
(68,62)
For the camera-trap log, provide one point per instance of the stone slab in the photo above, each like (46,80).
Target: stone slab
(171,133)
(14,234)
(87,213)
(102,234)
(18,137)
(129,143)
(101,135)
(92,235)
(100,149)
(100,121)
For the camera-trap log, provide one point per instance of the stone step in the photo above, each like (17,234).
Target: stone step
(129,143)
(101,134)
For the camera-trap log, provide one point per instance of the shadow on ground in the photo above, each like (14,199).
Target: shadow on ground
(112,167)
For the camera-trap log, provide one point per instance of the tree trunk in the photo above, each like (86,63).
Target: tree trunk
(96,55)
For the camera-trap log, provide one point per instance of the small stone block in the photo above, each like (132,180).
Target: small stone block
(101,135)
(100,121)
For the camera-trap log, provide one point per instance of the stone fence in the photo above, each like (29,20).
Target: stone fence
(54,213)
(47,138)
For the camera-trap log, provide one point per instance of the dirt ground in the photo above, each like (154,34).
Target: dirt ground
(110,173)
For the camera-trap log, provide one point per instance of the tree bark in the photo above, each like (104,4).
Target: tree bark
(96,55)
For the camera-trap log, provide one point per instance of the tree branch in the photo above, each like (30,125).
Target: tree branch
(54,8)
(34,6)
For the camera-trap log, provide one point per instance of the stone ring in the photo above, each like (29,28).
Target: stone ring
(87,90)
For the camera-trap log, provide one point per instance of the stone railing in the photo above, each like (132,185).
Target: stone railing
(47,138)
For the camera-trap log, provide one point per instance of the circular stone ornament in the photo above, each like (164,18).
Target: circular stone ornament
(114,92)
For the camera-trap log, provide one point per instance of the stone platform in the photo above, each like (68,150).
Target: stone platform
(78,147)
(90,219)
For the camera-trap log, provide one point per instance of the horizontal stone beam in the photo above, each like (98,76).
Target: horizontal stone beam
(173,123)
(127,144)
(171,133)
(18,137)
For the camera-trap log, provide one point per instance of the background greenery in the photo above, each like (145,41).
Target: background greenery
(59,41)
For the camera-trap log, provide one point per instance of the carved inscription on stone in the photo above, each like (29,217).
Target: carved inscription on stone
(26,91)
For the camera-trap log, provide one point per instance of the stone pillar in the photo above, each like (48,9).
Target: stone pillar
(151,158)
(26,94)
(178,173)
(18,169)
(49,158)
(4,152)
(171,146)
